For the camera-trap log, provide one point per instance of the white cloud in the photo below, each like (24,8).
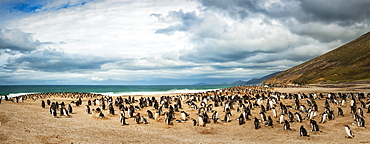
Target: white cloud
(97,79)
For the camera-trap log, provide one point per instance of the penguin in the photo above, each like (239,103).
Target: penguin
(303,109)
(361,122)
(42,104)
(70,110)
(274,113)
(195,123)
(111,110)
(314,125)
(263,117)
(360,112)
(256,123)
(168,119)
(227,117)
(63,111)
(286,125)
(241,119)
(303,131)
(340,112)
(299,117)
(323,117)
(89,102)
(269,121)
(368,109)
(156,116)
(48,102)
(201,121)
(101,115)
(122,119)
(88,109)
(291,117)
(150,114)
(214,117)
(348,132)
(144,120)
(137,118)
(184,115)
(53,111)
(281,119)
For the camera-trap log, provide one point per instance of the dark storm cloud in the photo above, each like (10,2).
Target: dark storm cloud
(235,8)
(16,40)
(51,60)
(344,12)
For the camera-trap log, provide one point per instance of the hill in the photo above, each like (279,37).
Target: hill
(254,80)
(349,62)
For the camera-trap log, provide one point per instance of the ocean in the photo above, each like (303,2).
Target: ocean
(109,90)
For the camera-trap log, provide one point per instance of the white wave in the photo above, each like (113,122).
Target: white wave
(155,93)
(11,95)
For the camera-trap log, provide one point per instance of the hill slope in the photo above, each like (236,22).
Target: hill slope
(349,62)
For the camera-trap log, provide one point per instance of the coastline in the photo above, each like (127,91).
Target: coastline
(28,122)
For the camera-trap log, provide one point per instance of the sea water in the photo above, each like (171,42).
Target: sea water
(109,90)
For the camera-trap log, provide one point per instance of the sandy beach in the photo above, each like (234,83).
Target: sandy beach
(28,122)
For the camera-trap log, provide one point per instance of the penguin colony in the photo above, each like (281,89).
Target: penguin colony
(268,108)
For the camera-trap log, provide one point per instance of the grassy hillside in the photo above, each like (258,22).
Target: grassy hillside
(349,62)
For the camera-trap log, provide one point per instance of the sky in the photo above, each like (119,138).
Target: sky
(168,42)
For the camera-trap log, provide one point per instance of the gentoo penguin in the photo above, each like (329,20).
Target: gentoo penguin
(263,117)
(286,125)
(314,125)
(195,123)
(88,109)
(340,112)
(70,110)
(360,112)
(89,102)
(48,102)
(42,104)
(269,121)
(168,119)
(137,118)
(111,110)
(201,121)
(281,119)
(156,116)
(361,122)
(368,109)
(299,117)
(303,131)
(64,111)
(101,115)
(144,120)
(150,114)
(214,117)
(241,119)
(274,113)
(323,117)
(183,115)
(348,132)
(122,119)
(256,123)
(291,117)
(227,117)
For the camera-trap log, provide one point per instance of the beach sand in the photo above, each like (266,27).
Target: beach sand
(28,122)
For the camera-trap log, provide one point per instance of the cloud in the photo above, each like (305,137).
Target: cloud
(97,79)
(183,21)
(52,60)
(17,40)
